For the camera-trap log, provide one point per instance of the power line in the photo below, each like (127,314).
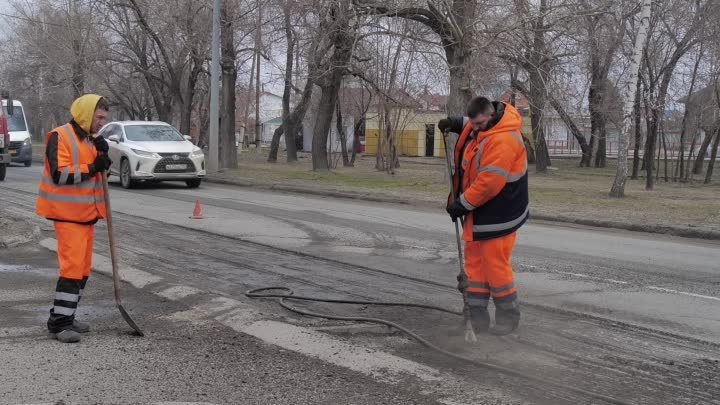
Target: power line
(18,17)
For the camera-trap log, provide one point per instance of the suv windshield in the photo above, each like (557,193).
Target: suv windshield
(16,122)
(152,133)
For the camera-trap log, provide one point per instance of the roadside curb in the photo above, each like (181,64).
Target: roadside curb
(659,229)
(307,191)
(656,229)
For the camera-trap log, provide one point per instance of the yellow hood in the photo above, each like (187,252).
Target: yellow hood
(83,110)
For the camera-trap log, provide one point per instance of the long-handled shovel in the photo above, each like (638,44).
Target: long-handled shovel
(462,276)
(113,259)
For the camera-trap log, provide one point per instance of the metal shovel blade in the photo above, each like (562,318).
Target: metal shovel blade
(129,321)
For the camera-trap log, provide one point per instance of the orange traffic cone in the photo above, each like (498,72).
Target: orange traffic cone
(197,212)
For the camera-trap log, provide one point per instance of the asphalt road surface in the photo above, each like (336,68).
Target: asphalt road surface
(629,315)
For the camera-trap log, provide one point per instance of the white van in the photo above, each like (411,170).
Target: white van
(20,148)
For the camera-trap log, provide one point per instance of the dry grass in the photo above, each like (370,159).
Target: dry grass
(565,190)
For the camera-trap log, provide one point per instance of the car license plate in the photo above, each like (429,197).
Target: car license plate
(176,167)
(13,152)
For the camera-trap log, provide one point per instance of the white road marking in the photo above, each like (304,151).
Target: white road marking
(667,290)
(380,365)
(103,264)
(609,280)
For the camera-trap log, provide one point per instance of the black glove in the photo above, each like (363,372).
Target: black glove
(444,124)
(457,210)
(101,145)
(102,163)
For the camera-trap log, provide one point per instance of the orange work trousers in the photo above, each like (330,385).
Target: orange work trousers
(487,264)
(75,249)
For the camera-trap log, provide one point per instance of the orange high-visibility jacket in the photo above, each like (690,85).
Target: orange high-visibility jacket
(71,199)
(491,179)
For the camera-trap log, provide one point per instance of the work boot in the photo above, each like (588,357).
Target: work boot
(506,321)
(480,319)
(66,336)
(80,327)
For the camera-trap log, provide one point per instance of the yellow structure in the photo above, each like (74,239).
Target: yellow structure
(414,132)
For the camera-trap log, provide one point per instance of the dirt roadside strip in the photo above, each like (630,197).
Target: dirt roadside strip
(658,229)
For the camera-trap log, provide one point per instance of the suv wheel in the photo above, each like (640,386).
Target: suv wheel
(194,183)
(126,180)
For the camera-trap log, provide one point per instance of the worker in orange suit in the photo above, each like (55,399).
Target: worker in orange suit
(71,194)
(491,194)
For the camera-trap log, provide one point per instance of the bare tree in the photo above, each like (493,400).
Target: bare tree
(618,188)
(228,148)
(680,165)
(638,130)
(454,22)
(342,37)
(290,145)
(604,25)
(716,143)
(665,50)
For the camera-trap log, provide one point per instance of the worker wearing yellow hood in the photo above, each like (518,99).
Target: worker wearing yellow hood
(71,195)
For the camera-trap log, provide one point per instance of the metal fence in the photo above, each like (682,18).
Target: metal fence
(560,147)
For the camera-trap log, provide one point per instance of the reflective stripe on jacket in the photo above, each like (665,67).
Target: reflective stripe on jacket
(494,181)
(71,197)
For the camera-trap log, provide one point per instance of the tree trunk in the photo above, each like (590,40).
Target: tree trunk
(564,116)
(653,127)
(537,108)
(638,132)
(618,187)
(595,105)
(700,159)
(78,69)
(246,113)
(342,39)
(187,106)
(713,155)
(691,151)
(342,135)
(228,149)
(664,144)
(359,128)
(289,58)
(258,45)
(323,122)
(680,167)
(601,154)
(460,93)
(78,65)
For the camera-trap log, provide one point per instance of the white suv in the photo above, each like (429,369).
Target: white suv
(152,151)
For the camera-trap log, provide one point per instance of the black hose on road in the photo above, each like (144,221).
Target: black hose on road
(289,295)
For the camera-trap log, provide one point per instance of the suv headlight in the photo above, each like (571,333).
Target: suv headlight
(27,142)
(143,153)
(197,153)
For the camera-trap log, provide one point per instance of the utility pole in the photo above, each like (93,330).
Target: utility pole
(213,159)
(258,43)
